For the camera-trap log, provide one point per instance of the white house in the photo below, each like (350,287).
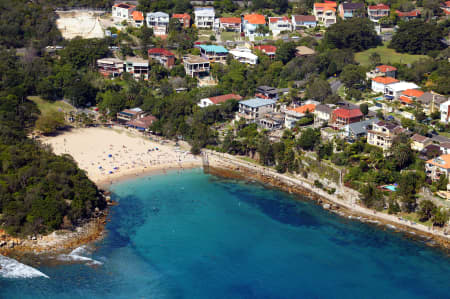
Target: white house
(218,100)
(379,83)
(445,112)
(244,56)
(230,24)
(251,24)
(394,91)
(325,12)
(279,24)
(123,11)
(299,21)
(158,21)
(204,17)
(254,109)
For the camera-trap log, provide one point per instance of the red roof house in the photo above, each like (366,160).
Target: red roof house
(219,99)
(231,24)
(163,56)
(269,50)
(344,116)
(184,19)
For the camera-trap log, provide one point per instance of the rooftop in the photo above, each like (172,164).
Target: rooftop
(360,127)
(385,80)
(231,20)
(195,59)
(413,93)
(181,16)
(278,19)
(304,18)
(137,16)
(405,100)
(213,48)
(304,108)
(255,103)
(266,48)
(347,113)
(385,68)
(401,86)
(352,6)
(379,6)
(328,5)
(441,161)
(124,5)
(223,98)
(255,19)
(412,13)
(160,51)
(143,122)
(419,138)
(324,108)
(304,51)
(158,14)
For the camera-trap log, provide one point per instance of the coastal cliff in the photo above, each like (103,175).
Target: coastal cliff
(344,202)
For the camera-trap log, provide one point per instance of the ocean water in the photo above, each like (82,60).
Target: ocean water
(191,235)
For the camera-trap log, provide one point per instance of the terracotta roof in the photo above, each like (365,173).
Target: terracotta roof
(225,97)
(385,80)
(137,16)
(413,93)
(406,100)
(160,51)
(231,20)
(304,18)
(447,3)
(379,6)
(347,113)
(445,159)
(181,16)
(304,108)
(386,68)
(325,6)
(277,19)
(255,19)
(266,48)
(419,138)
(412,13)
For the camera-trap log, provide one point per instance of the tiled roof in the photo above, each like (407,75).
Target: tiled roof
(181,16)
(352,6)
(325,6)
(255,19)
(441,161)
(160,51)
(231,20)
(266,48)
(255,103)
(413,93)
(445,145)
(385,80)
(386,68)
(143,122)
(278,19)
(324,108)
(406,100)
(304,108)
(347,113)
(137,16)
(419,138)
(412,13)
(224,98)
(379,6)
(304,18)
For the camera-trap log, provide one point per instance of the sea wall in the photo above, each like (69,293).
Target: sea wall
(344,202)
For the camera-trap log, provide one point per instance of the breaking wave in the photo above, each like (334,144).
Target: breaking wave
(10,268)
(79,255)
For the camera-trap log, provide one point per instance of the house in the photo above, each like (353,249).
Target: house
(300,21)
(438,166)
(304,51)
(159,22)
(445,112)
(123,11)
(382,71)
(359,129)
(184,19)
(446,7)
(204,17)
(196,66)
(267,92)
(269,50)
(344,116)
(142,123)
(325,13)
(271,121)
(294,114)
(394,90)
(254,109)
(230,24)
(136,66)
(163,56)
(214,53)
(383,133)
(379,83)
(110,67)
(431,102)
(218,100)
(409,96)
(322,115)
(244,55)
(409,15)
(419,142)
(279,24)
(251,23)
(129,114)
(138,18)
(349,10)
(376,12)
(445,148)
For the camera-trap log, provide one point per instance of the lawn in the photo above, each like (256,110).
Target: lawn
(229,36)
(49,107)
(388,56)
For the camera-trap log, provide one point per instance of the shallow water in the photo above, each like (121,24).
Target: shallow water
(191,235)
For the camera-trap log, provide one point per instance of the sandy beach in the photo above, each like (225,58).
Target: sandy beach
(108,155)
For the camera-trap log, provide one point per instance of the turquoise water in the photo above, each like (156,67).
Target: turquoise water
(191,235)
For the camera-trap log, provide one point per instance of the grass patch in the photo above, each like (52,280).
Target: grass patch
(47,107)
(229,36)
(388,56)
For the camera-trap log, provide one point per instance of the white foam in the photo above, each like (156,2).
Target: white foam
(79,255)
(10,268)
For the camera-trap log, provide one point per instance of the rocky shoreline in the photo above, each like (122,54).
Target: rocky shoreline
(228,167)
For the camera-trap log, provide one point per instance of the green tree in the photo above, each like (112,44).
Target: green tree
(308,139)
(50,122)
(425,210)
(318,89)
(353,77)
(285,52)
(364,108)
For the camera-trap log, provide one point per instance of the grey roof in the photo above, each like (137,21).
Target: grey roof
(266,88)
(158,14)
(427,97)
(360,127)
(440,139)
(255,103)
(304,18)
(324,108)
(347,5)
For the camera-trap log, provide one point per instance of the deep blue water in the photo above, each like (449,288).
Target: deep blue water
(191,235)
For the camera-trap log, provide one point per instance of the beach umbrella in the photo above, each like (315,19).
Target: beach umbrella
(110,155)
(99,167)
